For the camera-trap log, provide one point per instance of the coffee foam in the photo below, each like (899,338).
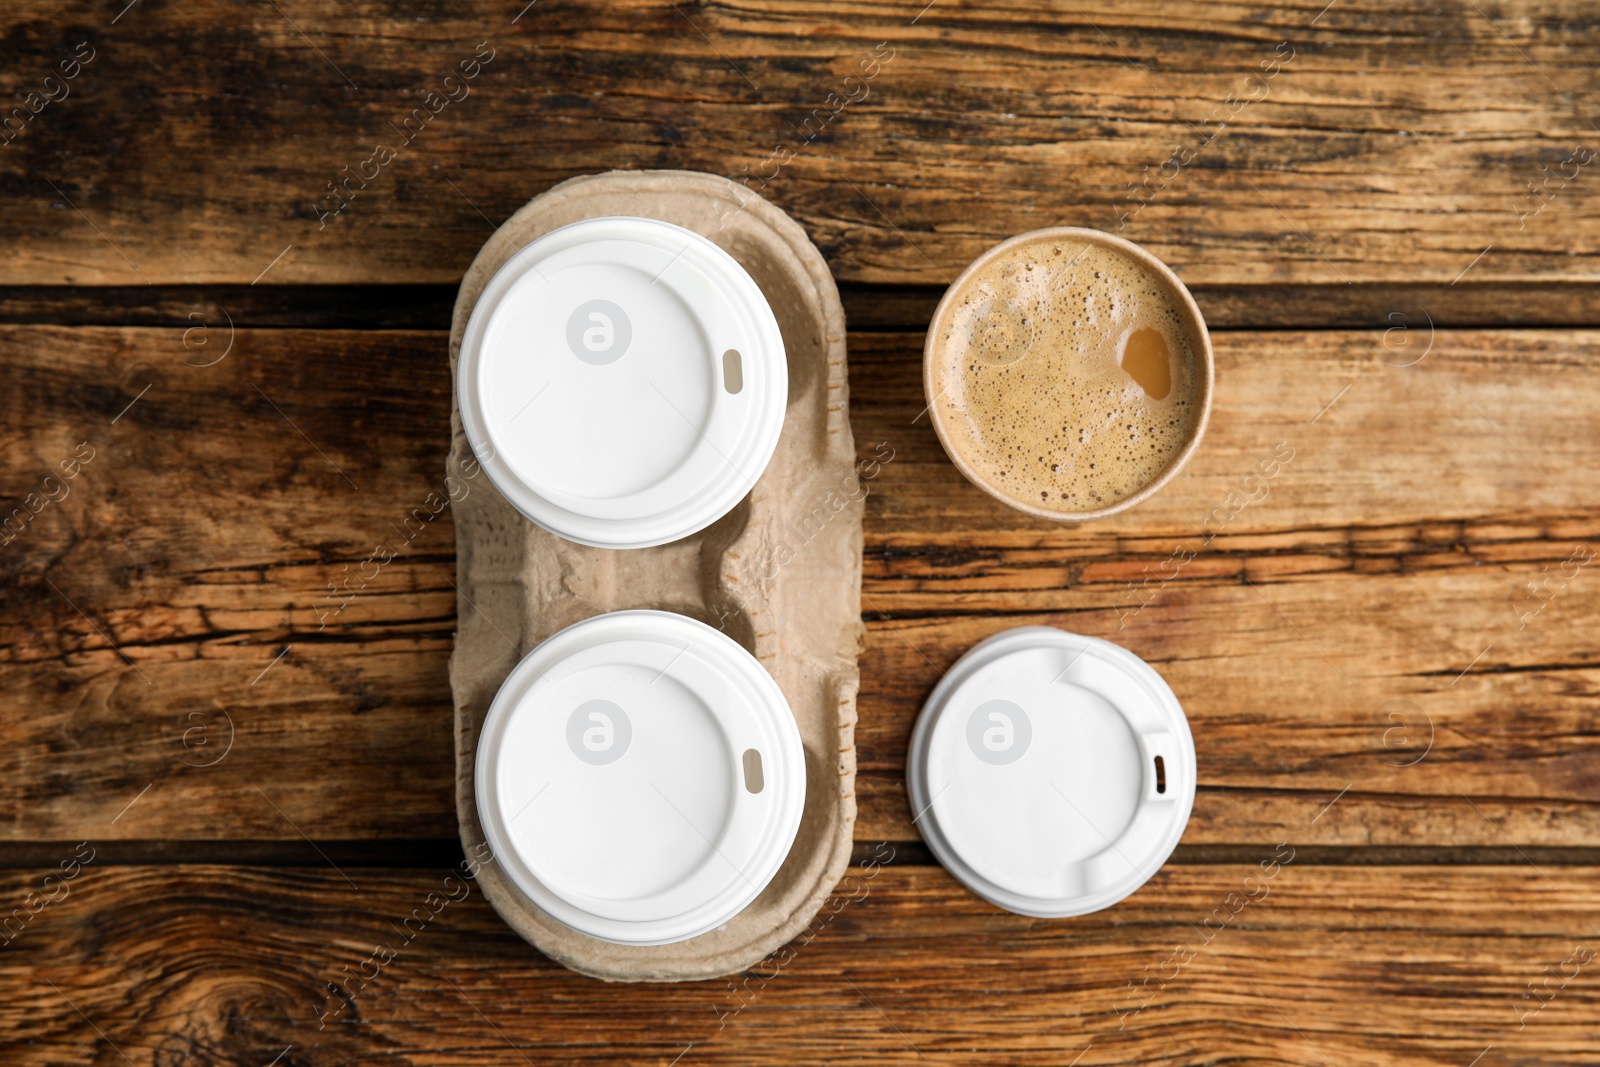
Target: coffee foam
(1031,391)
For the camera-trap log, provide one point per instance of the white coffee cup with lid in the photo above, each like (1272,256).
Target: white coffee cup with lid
(640,777)
(623,381)
(1050,772)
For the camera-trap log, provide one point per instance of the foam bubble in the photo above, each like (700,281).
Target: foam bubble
(1034,396)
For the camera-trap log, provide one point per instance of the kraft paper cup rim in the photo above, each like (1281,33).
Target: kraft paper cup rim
(1203,354)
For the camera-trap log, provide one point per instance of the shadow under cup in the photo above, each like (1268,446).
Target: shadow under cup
(1068,373)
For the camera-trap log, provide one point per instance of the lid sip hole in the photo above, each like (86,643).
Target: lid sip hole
(753,781)
(732,370)
(1161,775)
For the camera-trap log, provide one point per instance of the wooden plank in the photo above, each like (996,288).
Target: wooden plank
(1308,966)
(1245,145)
(204,540)
(1318,640)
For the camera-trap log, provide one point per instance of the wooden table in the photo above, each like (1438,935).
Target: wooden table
(1391,217)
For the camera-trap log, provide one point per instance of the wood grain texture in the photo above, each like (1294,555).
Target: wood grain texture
(225,965)
(1373,598)
(199,659)
(1243,144)
(214,540)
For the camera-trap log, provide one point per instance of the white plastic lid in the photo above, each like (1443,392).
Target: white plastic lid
(623,381)
(1051,773)
(640,777)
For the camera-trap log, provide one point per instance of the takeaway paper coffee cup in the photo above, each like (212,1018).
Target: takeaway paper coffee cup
(623,382)
(1051,773)
(1068,373)
(640,777)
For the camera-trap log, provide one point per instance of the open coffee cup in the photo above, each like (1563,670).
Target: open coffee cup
(1068,373)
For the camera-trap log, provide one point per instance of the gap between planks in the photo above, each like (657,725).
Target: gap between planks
(868,308)
(425,853)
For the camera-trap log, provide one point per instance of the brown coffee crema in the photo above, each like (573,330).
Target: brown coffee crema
(1067,374)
